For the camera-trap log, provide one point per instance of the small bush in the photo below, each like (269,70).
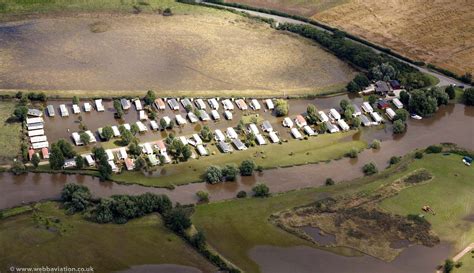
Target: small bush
(434,149)
(241,194)
(352,153)
(418,155)
(202,196)
(394,160)
(370,169)
(329,182)
(375,144)
(261,190)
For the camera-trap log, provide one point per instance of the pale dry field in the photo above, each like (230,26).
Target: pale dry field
(435,31)
(215,51)
(300,7)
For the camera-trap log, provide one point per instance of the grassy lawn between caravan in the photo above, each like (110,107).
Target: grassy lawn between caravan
(295,152)
(78,243)
(252,228)
(10,140)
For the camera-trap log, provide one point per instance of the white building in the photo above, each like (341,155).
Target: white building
(274,137)
(390,113)
(115,130)
(255,105)
(63,110)
(180,120)
(228,115)
(228,105)
(343,125)
(376,117)
(323,117)
(269,103)
(192,117)
(296,134)
(87,107)
(397,103)
(213,103)
(309,131)
(138,104)
(218,135)
(215,115)
(99,106)
(367,107)
(231,133)
(287,122)
(252,128)
(260,140)
(76,109)
(142,115)
(334,114)
(200,104)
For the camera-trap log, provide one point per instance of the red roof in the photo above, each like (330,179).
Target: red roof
(45,152)
(31,152)
(161,145)
(300,119)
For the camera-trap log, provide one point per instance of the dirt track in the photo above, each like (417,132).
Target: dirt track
(140,52)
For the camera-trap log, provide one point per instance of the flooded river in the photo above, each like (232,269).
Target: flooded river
(302,259)
(452,123)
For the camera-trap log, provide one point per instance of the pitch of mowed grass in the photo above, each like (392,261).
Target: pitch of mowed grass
(295,152)
(10,141)
(450,194)
(73,241)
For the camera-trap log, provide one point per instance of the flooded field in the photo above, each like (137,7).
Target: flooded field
(161,268)
(452,123)
(215,51)
(301,259)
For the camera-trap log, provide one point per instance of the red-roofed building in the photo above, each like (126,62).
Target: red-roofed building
(45,153)
(31,152)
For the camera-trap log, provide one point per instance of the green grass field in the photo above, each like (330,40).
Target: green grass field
(450,194)
(18,7)
(78,243)
(316,149)
(10,141)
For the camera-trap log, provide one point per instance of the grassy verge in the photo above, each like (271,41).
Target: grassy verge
(243,231)
(70,240)
(20,7)
(10,140)
(433,80)
(295,152)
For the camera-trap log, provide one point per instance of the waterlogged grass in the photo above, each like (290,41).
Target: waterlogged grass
(295,152)
(11,7)
(246,221)
(72,241)
(10,140)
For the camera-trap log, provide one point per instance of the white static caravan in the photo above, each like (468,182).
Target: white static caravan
(197,139)
(138,104)
(269,103)
(343,125)
(125,104)
(224,146)
(34,133)
(255,105)
(89,160)
(334,114)
(127,126)
(323,117)
(357,111)
(274,137)
(114,167)
(142,115)
(141,127)
(260,140)
(376,117)
(34,120)
(87,107)
(154,125)
(287,122)
(153,160)
(37,139)
(63,110)
(147,149)
(331,127)
(99,106)
(397,103)
(115,130)
(239,145)
(91,136)
(215,115)
(77,139)
(35,113)
(309,131)
(40,145)
(241,104)
(180,120)
(367,107)
(35,126)
(76,109)
(51,111)
(296,134)
(185,102)
(173,104)
(213,103)
(231,133)
(201,150)
(228,105)
(204,115)
(183,140)
(122,153)
(365,121)
(192,117)
(253,129)
(200,104)
(218,135)
(300,121)
(267,126)
(390,113)
(228,115)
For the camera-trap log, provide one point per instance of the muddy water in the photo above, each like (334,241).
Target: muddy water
(415,259)
(161,268)
(319,236)
(453,123)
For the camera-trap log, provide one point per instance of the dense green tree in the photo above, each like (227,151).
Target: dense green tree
(361,80)
(467,77)
(150,97)
(103,211)
(79,162)
(261,190)
(247,167)
(18,168)
(35,160)
(344,103)
(75,100)
(126,137)
(20,112)
(105,170)
(107,133)
(186,153)
(134,129)
(348,114)
(401,114)
(323,127)
(448,266)
(440,96)
(99,153)
(202,196)
(66,148)
(85,138)
(372,99)
(163,124)
(422,104)
(241,194)
(468,96)
(356,122)
(353,87)
(281,107)
(404,97)
(383,72)
(229,172)
(177,220)
(329,182)
(398,126)
(312,114)
(56,157)
(118,109)
(206,134)
(75,197)
(450,91)
(198,240)
(213,174)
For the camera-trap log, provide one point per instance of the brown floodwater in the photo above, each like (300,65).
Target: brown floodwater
(303,259)
(319,236)
(452,123)
(161,268)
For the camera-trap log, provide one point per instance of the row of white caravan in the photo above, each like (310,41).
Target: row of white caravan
(75,108)
(36,133)
(213,103)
